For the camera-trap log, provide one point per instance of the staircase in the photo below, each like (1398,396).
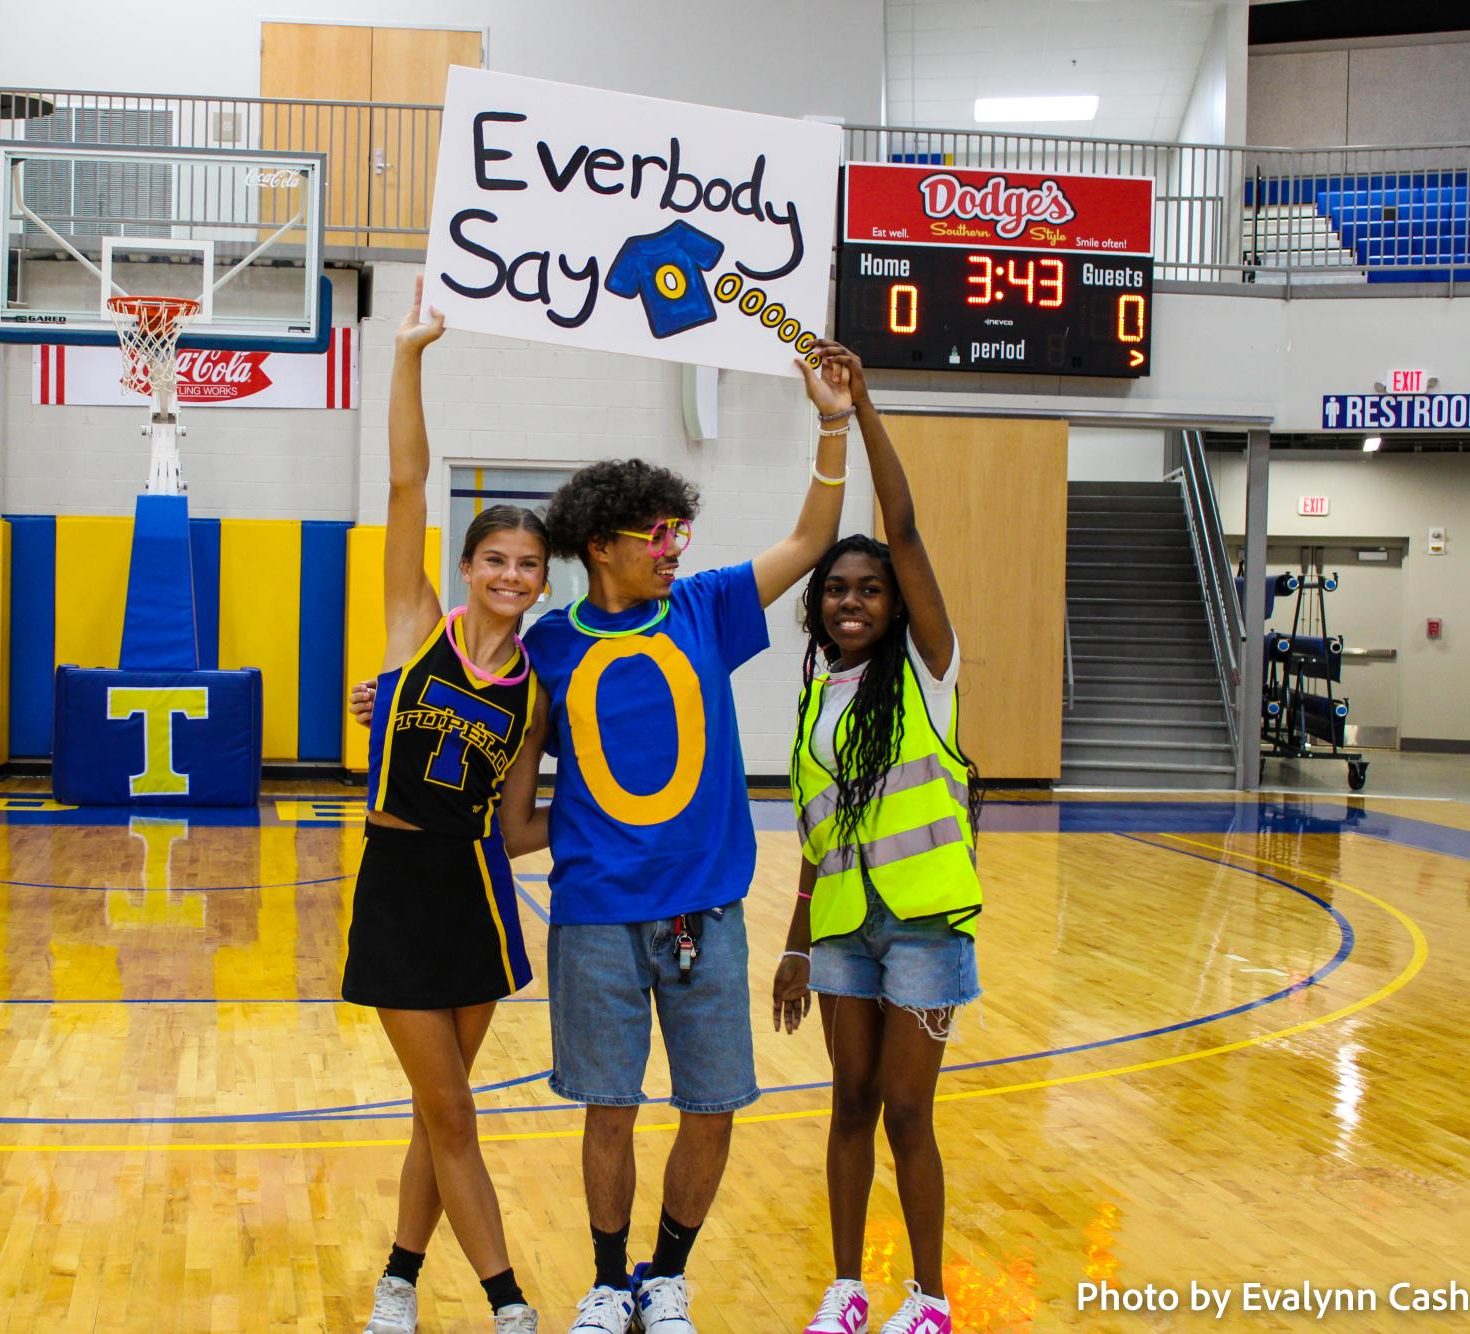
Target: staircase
(1301,238)
(1147,709)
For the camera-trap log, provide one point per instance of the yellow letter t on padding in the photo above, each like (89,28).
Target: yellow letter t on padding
(158,704)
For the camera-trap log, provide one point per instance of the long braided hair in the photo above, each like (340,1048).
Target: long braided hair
(875,733)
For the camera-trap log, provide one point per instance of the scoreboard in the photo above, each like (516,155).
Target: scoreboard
(947,269)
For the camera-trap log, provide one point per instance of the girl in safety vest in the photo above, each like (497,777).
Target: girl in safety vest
(884,924)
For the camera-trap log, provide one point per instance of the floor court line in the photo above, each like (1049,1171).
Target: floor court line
(1416,962)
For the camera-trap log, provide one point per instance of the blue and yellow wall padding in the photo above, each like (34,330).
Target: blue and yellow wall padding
(302,600)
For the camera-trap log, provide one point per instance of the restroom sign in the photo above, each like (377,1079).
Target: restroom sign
(1315,507)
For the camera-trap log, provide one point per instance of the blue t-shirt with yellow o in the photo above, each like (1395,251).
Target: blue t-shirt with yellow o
(650,817)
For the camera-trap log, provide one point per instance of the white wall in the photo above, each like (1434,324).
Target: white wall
(1389,495)
(1215,112)
(1114,454)
(1402,90)
(821,57)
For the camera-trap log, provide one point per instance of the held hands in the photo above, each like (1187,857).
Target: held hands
(828,385)
(846,367)
(415,333)
(791,997)
(360,701)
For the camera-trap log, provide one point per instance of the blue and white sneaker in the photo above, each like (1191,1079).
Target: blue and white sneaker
(662,1303)
(604,1310)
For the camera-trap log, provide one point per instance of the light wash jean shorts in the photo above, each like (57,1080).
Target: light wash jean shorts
(918,965)
(604,982)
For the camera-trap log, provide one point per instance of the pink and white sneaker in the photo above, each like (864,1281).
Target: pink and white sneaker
(920,1314)
(844,1309)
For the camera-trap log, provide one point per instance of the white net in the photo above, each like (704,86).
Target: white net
(148,327)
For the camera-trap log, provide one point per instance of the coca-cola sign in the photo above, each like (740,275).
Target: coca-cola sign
(207,377)
(273,178)
(217,376)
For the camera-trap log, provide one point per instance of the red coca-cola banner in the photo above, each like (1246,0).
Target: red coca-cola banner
(64,374)
(893,204)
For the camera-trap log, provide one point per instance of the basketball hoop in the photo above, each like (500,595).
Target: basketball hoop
(148,327)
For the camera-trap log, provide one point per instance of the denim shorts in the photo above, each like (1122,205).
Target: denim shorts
(919,965)
(601,980)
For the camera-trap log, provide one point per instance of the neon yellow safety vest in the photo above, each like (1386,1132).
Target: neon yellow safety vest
(914,839)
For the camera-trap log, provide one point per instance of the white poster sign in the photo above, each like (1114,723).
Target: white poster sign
(63,374)
(631,224)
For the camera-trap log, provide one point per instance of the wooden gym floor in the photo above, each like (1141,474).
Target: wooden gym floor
(1222,1043)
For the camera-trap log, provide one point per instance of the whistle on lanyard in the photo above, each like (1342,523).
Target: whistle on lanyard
(687,928)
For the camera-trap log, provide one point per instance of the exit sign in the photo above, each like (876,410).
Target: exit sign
(1314,506)
(1408,382)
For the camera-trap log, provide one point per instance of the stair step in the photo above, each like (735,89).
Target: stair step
(1179,618)
(1101,773)
(1133,648)
(1154,520)
(1103,708)
(1140,731)
(1122,489)
(1109,683)
(1148,671)
(1146,504)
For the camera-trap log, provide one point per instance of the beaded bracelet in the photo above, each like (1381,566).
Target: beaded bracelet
(826,418)
(825,433)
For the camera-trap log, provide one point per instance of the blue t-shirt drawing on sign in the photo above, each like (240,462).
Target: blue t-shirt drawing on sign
(667,270)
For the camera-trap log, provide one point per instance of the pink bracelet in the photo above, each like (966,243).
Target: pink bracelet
(800,895)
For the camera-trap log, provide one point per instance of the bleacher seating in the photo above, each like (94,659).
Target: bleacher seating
(1403,227)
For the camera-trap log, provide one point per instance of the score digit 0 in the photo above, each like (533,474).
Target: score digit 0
(899,322)
(1131,311)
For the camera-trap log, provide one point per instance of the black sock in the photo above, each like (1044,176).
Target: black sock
(675,1241)
(503,1290)
(404,1264)
(611,1252)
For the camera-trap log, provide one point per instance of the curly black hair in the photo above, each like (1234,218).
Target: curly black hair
(617,493)
(877,711)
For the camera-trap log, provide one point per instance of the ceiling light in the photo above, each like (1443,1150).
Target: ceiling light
(1003,109)
(1372,444)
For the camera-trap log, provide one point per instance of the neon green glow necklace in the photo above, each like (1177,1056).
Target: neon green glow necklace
(663,611)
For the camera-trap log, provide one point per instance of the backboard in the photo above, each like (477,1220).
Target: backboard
(240,231)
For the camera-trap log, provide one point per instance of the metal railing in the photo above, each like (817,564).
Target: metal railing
(1217,578)
(1222,213)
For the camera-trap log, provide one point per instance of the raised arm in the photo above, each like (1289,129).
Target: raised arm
(410,605)
(796,555)
(928,620)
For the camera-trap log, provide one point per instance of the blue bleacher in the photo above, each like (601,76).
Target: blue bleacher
(1427,238)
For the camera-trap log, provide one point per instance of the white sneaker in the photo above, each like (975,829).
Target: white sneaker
(518,1319)
(844,1309)
(395,1307)
(604,1310)
(920,1314)
(663,1306)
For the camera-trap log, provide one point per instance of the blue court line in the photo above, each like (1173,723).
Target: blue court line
(524,895)
(376,1111)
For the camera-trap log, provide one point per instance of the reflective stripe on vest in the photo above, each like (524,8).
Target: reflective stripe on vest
(900,778)
(896,847)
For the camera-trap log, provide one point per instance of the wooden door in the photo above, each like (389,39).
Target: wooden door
(991,497)
(410,65)
(320,62)
(380,163)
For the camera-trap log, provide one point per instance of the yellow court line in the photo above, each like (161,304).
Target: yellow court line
(1411,969)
